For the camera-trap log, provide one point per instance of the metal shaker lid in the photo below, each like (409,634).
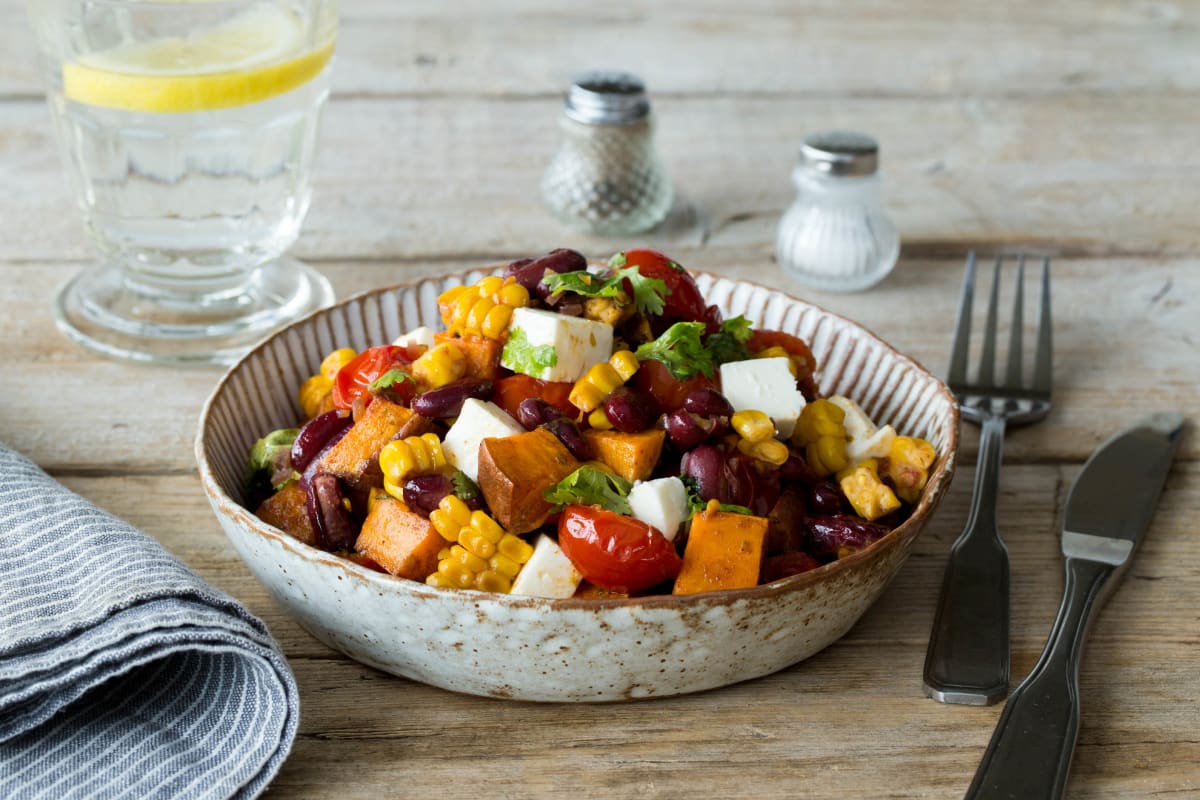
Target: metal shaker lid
(840,153)
(607,98)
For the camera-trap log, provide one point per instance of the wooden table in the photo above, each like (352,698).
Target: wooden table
(1067,128)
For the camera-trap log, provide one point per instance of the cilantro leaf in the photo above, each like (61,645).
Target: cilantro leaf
(697,504)
(520,355)
(388,380)
(729,343)
(648,293)
(592,487)
(681,350)
(465,489)
(617,261)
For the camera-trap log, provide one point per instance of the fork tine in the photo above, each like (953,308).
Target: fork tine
(987,359)
(1012,375)
(957,375)
(1042,363)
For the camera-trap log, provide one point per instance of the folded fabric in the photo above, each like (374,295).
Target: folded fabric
(122,674)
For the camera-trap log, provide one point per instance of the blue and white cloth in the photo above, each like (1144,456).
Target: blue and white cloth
(122,674)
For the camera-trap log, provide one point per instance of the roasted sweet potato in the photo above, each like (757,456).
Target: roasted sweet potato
(515,470)
(724,551)
(401,541)
(355,459)
(483,354)
(630,455)
(285,510)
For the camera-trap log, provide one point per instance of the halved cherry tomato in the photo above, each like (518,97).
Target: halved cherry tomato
(353,379)
(668,391)
(683,301)
(761,340)
(616,552)
(509,392)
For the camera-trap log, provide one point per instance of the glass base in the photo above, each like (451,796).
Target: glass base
(106,311)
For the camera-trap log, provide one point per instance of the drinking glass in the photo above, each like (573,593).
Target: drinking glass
(187,128)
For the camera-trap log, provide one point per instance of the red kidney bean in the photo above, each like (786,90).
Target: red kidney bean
(830,536)
(704,466)
(688,431)
(530,271)
(424,492)
(316,435)
(629,410)
(744,485)
(328,515)
(447,401)
(708,403)
(786,565)
(568,433)
(797,469)
(569,304)
(534,411)
(826,498)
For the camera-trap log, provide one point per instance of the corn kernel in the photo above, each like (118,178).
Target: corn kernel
(908,466)
(602,379)
(334,362)
(821,432)
(402,458)
(313,393)
(870,497)
(753,425)
(490,581)
(515,548)
(599,420)
(440,365)
(770,450)
(504,565)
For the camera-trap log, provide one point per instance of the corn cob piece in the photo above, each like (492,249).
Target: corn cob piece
(602,379)
(315,389)
(822,433)
(870,497)
(483,309)
(908,466)
(484,557)
(757,433)
(402,458)
(440,365)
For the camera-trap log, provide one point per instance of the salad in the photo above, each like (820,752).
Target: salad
(584,432)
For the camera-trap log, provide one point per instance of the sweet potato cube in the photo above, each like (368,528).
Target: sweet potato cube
(724,551)
(285,510)
(355,459)
(515,470)
(401,541)
(630,455)
(483,354)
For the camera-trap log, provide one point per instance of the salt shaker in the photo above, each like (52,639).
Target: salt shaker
(606,178)
(837,236)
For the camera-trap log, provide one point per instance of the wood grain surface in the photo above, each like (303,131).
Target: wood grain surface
(1062,128)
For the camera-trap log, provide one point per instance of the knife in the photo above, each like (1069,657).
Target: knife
(1108,510)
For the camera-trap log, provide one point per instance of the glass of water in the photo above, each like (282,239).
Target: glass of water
(188,129)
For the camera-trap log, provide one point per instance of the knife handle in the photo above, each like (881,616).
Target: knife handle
(1029,755)
(967,660)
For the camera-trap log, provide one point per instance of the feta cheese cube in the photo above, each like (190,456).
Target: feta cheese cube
(421,335)
(479,420)
(765,384)
(661,503)
(554,347)
(547,573)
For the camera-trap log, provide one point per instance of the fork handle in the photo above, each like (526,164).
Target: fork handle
(1029,755)
(968,657)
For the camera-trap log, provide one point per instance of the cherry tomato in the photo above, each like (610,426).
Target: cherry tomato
(353,379)
(509,392)
(668,391)
(761,340)
(683,301)
(616,552)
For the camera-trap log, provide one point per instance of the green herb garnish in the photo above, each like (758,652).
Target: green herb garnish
(648,293)
(520,355)
(465,489)
(589,486)
(729,343)
(389,379)
(269,458)
(681,349)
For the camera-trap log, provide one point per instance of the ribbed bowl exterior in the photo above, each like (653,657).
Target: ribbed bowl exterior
(562,650)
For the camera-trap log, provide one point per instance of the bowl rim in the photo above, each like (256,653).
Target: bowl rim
(931,495)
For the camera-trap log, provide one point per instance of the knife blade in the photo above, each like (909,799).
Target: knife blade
(1108,511)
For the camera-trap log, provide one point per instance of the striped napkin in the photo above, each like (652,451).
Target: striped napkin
(122,674)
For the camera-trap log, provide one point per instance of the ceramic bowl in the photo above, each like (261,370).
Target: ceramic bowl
(562,650)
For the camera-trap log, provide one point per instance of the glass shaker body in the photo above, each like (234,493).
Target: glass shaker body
(606,177)
(837,236)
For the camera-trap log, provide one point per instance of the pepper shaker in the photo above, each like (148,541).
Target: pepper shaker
(606,177)
(836,236)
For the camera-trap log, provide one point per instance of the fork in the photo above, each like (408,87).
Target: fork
(968,657)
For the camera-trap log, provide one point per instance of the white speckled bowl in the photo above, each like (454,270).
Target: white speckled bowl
(562,650)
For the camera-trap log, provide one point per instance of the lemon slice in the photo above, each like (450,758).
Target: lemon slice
(248,58)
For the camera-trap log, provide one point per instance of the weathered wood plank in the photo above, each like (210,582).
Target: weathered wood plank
(811,48)
(440,176)
(1120,353)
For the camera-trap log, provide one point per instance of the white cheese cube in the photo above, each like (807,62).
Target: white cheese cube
(479,420)
(421,335)
(554,347)
(858,425)
(766,385)
(877,445)
(547,573)
(661,503)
